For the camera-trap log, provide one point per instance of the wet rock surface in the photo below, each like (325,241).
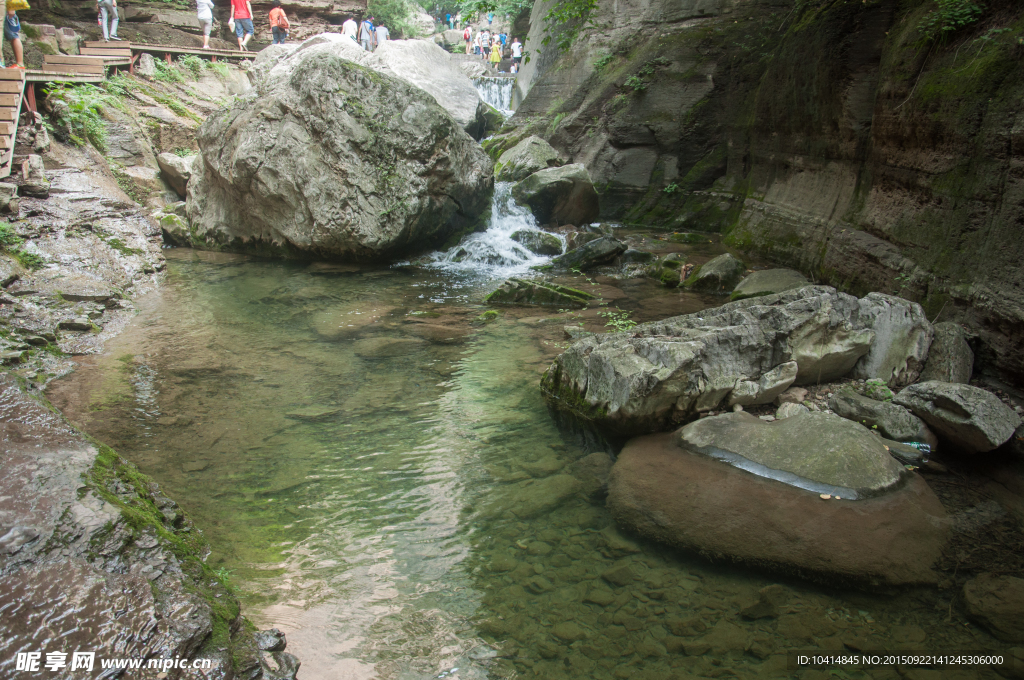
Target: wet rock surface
(696,503)
(370,176)
(563,195)
(591,254)
(535,292)
(970,418)
(950,358)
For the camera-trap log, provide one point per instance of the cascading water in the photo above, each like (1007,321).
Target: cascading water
(494,253)
(496,92)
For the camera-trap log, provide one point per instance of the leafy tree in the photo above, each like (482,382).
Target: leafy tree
(396,15)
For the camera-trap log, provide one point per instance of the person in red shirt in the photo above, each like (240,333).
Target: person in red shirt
(241,12)
(278,23)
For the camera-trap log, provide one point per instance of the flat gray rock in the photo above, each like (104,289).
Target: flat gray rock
(969,417)
(768,281)
(591,254)
(821,449)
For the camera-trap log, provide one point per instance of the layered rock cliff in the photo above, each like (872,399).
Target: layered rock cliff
(829,136)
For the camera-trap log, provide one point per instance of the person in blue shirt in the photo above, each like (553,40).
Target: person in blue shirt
(502,37)
(490,18)
(448,20)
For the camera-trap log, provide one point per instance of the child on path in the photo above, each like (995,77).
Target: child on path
(278,23)
(495,53)
(12,27)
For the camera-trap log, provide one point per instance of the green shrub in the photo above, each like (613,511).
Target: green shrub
(82,121)
(950,16)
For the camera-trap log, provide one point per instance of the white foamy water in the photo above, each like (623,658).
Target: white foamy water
(497,92)
(493,253)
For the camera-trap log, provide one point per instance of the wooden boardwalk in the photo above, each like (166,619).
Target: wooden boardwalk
(12,88)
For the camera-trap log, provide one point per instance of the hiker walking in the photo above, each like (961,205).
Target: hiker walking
(517,54)
(204,12)
(383,34)
(278,23)
(366,34)
(467,35)
(241,13)
(106,8)
(12,30)
(350,29)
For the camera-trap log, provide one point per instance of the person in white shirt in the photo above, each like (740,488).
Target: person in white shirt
(205,15)
(382,35)
(349,28)
(517,55)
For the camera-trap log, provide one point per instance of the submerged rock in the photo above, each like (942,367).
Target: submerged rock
(524,159)
(719,275)
(971,418)
(768,281)
(591,254)
(997,603)
(335,160)
(668,270)
(564,195)
(890,420)
(523,292)
(694,502)
(950,359)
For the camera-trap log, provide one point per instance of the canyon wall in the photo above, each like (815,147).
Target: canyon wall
(827,135)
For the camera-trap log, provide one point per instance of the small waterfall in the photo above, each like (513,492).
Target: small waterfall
(497,92)
(493,253)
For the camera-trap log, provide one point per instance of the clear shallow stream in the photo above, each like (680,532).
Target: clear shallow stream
(383,481)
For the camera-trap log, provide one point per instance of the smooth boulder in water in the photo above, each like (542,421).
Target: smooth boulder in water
(719,275)
(524,292)
(525,158)
(563,195)
(668,488)
(591,254)
(537,242)
(334,160)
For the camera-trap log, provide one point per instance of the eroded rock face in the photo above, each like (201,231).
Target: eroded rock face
(563,195)
(696,503)
(971,418)
(667,371)
(525,158)
(950,359)
(903,336)
(176,170)
(536,292)
(334,160)
(641,380)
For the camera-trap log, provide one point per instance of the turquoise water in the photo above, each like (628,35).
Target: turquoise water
(378,471)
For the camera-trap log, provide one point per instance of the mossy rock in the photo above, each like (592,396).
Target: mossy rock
(538,242)
(719,275)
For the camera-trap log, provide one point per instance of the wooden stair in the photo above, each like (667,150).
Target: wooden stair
(12,89)
(63,63)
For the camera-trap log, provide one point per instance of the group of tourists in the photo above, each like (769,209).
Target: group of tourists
(492,46)
(365,33)
(240,22)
